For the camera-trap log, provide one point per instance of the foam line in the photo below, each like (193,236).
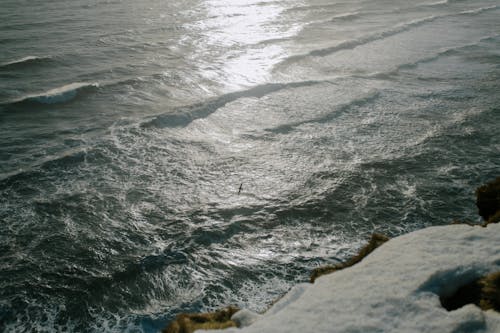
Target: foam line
(28,60)
(57,95)
(397,29)
(185,115)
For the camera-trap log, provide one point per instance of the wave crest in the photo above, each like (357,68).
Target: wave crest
(25,61)
(57,95)
(396,29)
(185,115)
(345,16)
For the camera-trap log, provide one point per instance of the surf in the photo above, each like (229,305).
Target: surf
(369,38)
(185,115)
(58,95)
(24,61)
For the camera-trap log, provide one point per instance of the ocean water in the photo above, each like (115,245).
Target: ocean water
(127,127)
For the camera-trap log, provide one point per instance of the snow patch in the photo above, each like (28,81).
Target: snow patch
(394,289)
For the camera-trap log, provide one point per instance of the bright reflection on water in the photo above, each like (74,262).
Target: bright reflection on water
(119,204)
(237,41)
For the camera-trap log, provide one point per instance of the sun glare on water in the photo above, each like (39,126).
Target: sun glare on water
(241,33)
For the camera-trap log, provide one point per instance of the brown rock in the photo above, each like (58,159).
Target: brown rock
(375,241)
(483,292)
(488,199)
(490,292)
(189,322)
(495,218)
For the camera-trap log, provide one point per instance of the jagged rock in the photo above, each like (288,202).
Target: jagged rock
(398,288)
(189,322)
(495,218)
(490,296)
(483,292)
(375,241)
(488,200)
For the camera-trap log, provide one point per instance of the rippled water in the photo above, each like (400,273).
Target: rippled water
(126,129)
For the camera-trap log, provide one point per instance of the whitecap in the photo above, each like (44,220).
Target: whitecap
(58,95)
(24,60)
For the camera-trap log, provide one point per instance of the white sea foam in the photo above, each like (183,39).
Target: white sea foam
(23,60)
(478,10)
(396,288)
(437,3)
(327,152)
(372,37)
(58,95)
(344,16)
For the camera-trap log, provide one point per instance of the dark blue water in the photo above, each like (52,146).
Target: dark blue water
(126,129)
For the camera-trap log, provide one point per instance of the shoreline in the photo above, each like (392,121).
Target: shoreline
(448,276)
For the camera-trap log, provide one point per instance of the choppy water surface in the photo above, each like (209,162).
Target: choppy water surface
(126,129)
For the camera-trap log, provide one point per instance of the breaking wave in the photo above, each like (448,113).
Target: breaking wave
(397,29)
(358,102)
(437,3)
(312,7)
(345,16)
(478,10)
(442,53)
(185,115)
(59,95)
(25,61)
(120,206)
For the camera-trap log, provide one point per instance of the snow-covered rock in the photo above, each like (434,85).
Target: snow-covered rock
(394,289)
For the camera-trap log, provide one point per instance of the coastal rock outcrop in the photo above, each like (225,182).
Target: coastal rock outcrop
(438,279)
(488,201)
(375,241)
(190,322)
(483,292)
(400,287)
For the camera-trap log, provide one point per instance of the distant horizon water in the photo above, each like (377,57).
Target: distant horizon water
(164,157)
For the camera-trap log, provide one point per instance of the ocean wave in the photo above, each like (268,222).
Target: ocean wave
(25,61)
(478,10)
(345,16)
(312,7)
(358,102)
(440,3)
(57,95)
(274,41)
(20,315)
(148,264)
(35,317)
(35,24)
(64,160)
(434,4)
(339,18)
(71,91)
(445,52)
(350,44)
(397,29)
(185,115)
